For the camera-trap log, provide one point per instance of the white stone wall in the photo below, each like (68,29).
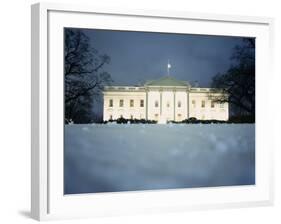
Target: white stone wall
(220,111)
(172,105)
(137,112)
(181,113)
(168,105)
(153,112)
(167,111)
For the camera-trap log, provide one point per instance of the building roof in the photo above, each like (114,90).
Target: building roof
(166,81)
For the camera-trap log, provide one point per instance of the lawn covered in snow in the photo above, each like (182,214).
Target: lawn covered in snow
(124,157)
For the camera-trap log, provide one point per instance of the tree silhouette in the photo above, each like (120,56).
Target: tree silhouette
(84,76)
(238,82)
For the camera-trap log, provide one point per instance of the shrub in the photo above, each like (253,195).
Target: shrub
(131,121)
(122,120)
(242,119)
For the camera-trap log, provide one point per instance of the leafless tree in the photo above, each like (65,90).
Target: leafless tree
(238,82)
(84,76)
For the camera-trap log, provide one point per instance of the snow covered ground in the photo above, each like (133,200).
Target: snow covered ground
(120,157)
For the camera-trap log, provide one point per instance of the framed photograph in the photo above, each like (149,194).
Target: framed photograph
(138,111)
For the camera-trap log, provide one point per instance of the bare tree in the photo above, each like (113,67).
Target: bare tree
(238,82)
(83,75)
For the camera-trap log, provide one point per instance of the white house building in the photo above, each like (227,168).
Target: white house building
(165,99)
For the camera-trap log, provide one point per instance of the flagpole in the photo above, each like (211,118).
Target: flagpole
(168,67)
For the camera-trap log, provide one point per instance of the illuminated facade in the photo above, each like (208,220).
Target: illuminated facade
(165,99)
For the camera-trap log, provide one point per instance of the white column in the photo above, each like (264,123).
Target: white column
(187,104)
(174,91)
(160,102)
(146,104)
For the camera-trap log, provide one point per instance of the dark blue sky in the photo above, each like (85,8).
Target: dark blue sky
(140,56)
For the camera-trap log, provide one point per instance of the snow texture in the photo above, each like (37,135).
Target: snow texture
(131,157)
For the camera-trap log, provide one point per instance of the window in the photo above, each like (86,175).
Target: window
(141,103)
(179,116)
(212,104)
(203,103)
(193,103)
(179,103)
(111,103)
(131,103)
(110,117)
(132,117)
(221,105)
(156,103)
(156,116)
(168,104)
(121,116)
(121,103)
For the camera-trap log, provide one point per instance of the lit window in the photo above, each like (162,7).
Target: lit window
(193,103)
(168,104)
(179,103)
(131,103)
(203,103)
(156,103)
(111,103)
(121,103)
(141,103)
(212,104)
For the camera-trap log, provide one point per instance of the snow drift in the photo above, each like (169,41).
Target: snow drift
(118,157)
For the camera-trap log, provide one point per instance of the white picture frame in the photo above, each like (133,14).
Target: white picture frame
(48,201)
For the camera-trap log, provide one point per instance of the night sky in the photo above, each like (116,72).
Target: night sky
(140,56)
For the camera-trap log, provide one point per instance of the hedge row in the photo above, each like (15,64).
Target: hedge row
(191,120)
(131,121)
(234,119)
